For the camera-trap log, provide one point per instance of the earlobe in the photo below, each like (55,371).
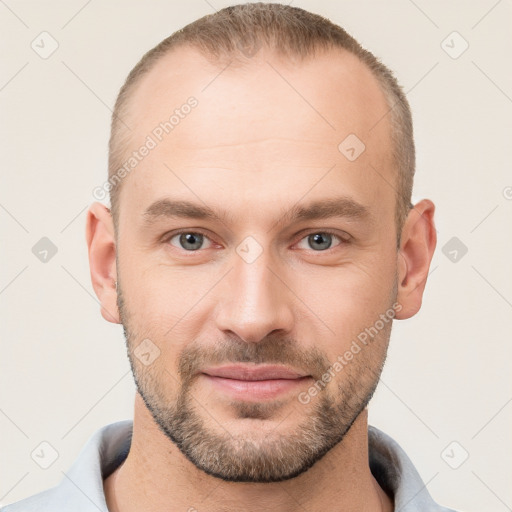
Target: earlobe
(416,250)
(102,259)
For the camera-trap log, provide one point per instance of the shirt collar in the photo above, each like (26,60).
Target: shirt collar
(81,488)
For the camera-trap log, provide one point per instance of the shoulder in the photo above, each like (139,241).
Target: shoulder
(397,475)
(81,488)
(40,502)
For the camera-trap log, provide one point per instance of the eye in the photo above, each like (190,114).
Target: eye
(189,240)
(321,241)
(318,241)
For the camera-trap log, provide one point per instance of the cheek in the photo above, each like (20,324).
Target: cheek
(349,300)
(158,296)
(158,380)
(161,315)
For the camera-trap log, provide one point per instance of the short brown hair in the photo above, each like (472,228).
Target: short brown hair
(289,31)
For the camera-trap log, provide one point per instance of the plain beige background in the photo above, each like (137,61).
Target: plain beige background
(446,391)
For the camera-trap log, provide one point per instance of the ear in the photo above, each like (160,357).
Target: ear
(102,259)
(417,246)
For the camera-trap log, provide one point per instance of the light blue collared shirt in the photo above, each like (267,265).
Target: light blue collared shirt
(81,489)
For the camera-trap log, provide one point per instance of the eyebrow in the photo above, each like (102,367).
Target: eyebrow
(342,207)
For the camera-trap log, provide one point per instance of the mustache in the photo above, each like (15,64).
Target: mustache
(272,350)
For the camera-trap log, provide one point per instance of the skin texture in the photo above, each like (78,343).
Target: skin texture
(255,148)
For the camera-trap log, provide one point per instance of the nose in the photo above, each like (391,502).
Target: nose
(254,300)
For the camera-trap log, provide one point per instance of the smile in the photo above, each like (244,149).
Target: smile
(254,382)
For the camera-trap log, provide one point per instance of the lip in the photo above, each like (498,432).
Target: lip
(254,382)
(254,372)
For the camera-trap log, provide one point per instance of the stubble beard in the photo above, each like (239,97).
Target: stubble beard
(251,457)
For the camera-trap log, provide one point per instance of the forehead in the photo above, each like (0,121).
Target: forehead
(272,126)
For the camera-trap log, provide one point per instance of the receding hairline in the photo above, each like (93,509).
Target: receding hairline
(295,34)
(218,63)
(221,62)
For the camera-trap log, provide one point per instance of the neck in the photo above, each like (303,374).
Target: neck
(157,476)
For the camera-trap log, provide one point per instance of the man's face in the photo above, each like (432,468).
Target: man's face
(232,321)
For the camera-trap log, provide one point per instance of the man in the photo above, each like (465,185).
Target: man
(259,245)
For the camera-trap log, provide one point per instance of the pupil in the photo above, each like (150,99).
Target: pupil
(191,241)
(320,240)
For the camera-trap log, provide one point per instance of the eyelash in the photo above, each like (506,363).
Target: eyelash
(342,240)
